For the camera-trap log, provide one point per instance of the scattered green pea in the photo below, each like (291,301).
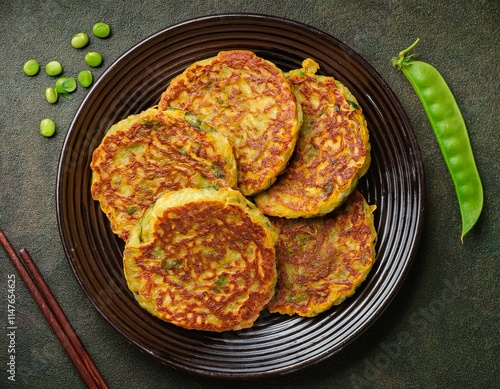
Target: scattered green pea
(47,127)
(451,133)
(93,59)
(85,78)
(51,95)
(80,40)
(53,68)
(101,30)
(31,67)
(65,85)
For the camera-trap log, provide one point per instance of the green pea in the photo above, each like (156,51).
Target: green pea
(31,67)
(51,95)
(65,85)
(47,127)
(101,30)
(85,78)
(93,59)
(80,40)
(451,133)
(53,68)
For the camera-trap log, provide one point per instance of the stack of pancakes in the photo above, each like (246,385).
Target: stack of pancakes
(236,193)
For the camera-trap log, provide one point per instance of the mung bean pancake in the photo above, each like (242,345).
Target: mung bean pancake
(202,259)
(155,151)
(321,261)
(249,100)
(332,151)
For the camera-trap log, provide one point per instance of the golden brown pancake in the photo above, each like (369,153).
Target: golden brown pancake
(248,100)
(321,261)
(332,151)
(148,154)
(202,259)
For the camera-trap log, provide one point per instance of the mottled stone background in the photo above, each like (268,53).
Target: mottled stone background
(441,330)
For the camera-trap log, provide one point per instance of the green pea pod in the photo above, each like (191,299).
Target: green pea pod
(451,133)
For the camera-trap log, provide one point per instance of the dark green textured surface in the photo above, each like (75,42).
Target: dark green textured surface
(442,329)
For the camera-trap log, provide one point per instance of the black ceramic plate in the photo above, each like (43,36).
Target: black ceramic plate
(276,344)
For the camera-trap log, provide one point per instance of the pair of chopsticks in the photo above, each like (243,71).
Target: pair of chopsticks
(54,315)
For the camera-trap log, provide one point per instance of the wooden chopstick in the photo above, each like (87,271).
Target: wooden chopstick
(54,315)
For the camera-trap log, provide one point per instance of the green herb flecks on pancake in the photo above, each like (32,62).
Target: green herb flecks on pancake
(154,152)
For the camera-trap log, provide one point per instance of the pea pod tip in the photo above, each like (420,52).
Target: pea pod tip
(403,58)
